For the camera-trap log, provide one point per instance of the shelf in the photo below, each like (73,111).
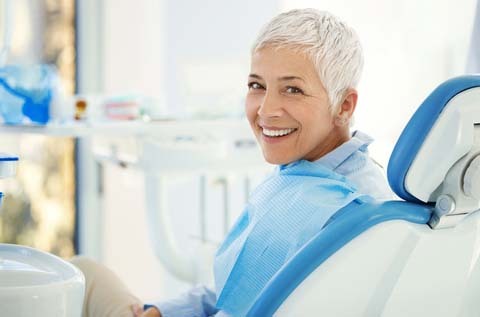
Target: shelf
(128,128)
(77,129)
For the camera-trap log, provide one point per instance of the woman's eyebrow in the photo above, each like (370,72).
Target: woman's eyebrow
(287,78)
(283,78)
(254,76)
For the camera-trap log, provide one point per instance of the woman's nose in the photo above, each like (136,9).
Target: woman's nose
(270,107)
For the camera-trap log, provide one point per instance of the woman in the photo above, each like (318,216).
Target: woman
(305,66)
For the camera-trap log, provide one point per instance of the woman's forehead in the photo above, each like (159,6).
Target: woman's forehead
(282,63)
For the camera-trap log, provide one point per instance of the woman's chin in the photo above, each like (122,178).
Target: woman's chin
(278,160)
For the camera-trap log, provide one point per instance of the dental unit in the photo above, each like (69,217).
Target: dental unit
(35,283)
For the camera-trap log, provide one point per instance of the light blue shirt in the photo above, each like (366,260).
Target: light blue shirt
(350,160)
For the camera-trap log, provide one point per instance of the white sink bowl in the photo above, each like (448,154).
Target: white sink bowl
(35,283)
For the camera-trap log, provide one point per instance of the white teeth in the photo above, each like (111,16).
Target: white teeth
(277,132)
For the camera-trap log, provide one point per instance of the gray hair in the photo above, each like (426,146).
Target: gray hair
(332,46)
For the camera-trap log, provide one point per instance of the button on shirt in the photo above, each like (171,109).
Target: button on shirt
(351,160)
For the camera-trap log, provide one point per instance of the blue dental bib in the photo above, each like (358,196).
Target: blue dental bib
(282,214)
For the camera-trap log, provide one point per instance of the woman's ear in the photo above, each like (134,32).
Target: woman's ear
(347,107)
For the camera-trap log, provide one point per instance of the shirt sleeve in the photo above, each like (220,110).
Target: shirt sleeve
(197,302)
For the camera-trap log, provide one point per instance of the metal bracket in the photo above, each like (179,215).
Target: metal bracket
(455,198)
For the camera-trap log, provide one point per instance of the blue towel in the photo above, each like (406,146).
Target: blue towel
(282,214)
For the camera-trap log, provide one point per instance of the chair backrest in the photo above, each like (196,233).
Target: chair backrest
(439,133)
(437,157)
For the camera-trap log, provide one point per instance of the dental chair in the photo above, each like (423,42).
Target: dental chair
(417,257)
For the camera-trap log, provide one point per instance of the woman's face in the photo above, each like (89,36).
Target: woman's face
(288,107)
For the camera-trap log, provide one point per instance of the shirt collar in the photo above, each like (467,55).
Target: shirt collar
(358,142)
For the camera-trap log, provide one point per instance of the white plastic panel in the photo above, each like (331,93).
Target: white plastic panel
(348,283)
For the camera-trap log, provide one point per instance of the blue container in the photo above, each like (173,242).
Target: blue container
(26,93)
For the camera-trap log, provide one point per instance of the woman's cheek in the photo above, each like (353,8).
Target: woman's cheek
(251,107)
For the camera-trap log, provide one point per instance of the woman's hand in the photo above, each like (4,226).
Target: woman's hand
(151,312)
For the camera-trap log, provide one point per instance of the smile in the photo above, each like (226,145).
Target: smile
(277,133)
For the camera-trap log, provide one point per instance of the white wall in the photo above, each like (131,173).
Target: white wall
(134,41)
(189,55)
(473,64)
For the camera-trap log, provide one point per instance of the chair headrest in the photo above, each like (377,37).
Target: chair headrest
(438,134)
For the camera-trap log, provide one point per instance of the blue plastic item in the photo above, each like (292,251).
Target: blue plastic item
(26,93)
(8,158)
(7,168)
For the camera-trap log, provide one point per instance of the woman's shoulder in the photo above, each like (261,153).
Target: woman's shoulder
(367,175)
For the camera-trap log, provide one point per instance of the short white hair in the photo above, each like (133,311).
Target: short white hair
(332,46)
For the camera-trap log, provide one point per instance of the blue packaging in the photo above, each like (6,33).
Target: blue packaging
(26,93)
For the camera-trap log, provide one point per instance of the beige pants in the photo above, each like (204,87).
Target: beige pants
(105,294)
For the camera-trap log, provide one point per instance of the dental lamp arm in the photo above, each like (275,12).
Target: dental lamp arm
(198,301)
(160,231)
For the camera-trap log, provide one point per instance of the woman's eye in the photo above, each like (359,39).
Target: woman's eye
(294,90)
(254,85)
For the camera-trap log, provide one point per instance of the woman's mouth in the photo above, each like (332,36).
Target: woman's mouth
(273,135)
(277,132)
